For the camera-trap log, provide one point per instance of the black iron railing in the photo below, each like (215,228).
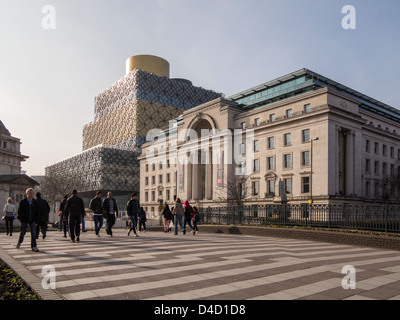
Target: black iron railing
(384,218)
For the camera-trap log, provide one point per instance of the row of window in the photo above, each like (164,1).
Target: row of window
(287,141)
(168,195)
(385,149)
(160,179)
(287,183)
(385,168)
(160,166)
(272,116)
(287,162)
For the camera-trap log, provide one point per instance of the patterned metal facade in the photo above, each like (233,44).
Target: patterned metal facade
(123,114)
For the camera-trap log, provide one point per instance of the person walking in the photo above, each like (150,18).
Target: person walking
(97,209)
(167,214)
(178,212)
(195,219)
(133,208)
(28,215)
(9,215)
(188,216)
(142,219)
(110,207)
(75,209)
(44,211)
(63,215)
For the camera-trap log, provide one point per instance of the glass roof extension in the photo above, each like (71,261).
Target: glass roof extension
(302,81)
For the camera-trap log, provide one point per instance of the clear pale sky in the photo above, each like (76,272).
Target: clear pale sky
(49,78)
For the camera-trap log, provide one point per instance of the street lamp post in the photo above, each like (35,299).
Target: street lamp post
(311,174)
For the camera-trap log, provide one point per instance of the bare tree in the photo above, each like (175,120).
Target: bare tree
(236,189)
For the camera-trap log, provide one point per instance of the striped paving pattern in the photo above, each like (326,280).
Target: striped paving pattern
(159,266)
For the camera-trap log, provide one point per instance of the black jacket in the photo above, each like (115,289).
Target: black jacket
(142,215)
(132,207)
(27,212)
(96,205)
(44,210)
(188,211)
(74,206)
(167,213)
(106,205)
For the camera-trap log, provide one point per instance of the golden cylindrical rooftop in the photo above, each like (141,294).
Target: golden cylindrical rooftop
(149,63)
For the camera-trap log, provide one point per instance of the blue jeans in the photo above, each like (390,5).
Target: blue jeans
(98,223)
(24,226)
(177,219)
(134,220)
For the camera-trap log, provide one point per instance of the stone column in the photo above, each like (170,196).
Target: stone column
(349,163)
(195,179)
(208,193)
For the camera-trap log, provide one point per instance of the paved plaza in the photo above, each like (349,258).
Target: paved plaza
(160,266)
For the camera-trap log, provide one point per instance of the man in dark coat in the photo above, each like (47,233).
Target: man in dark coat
(75,209)
(132,209)
(97,207)
(28,215)
(44,210)
(110,207)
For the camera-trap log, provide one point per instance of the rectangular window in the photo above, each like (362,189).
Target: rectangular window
(376,147)
(168,164)
(160,178)
(153,167)
(168,177)
(242,167)
(168,195)
(305,184)
(272,117)
(257,121)
(270,163)
(146,181)
(147,167)
(287,138)
(146,196)
(153,196)
(376,167)
(384,168)
(289,113)
(153,180)
(367,165)
(307,108)
(160,165)
(367,189)
(271,186)
(377,193)
(243,125)
(367,146)
(256,165)
(288,185)
(287,160)
(384,150)
(305,158)
(255,145)
(306,135)
(255,188)
(271,143)
(392,152)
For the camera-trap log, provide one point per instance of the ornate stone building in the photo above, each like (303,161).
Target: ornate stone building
(299,138)
(13,183)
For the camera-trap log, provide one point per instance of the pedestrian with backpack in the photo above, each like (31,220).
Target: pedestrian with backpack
(167,214)
(43,219)
(195,219)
